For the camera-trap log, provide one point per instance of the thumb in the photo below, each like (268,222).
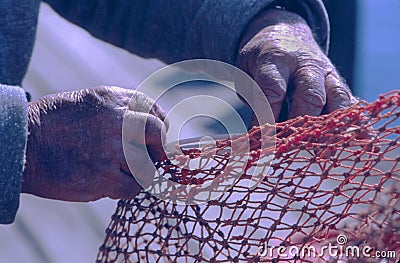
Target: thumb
(140,164)
(141,130)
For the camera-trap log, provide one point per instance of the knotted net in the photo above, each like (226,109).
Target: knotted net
(334,180)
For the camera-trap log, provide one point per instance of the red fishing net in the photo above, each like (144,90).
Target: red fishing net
(334,182)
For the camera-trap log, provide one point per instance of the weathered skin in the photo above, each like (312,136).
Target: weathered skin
(279,51)
(74,149)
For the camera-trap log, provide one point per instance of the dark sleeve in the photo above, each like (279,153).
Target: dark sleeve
(182,29)
(13,136)
(17,32)
(18,21)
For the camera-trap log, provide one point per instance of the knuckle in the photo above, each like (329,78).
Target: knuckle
(340,93)
(274,94)
(141,103)
(309,72)
(247,58)
(275,90)
(278,57)
(157,111)
(311,77)
(273,52)
(313,61)
(314,97)
(253,58)
(270,79)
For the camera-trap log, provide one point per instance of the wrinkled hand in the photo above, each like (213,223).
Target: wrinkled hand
(74,149)
(278,50)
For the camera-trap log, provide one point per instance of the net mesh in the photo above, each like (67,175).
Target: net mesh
(333,176)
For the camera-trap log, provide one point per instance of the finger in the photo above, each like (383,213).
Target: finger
(135,173)
(126,187)
(136,101)
(273,82)
(141,103)
(144,129)
(140,165)
(338,94)
(309,94)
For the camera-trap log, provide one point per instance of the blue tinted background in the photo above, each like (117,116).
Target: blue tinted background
(68,58)
(377,67)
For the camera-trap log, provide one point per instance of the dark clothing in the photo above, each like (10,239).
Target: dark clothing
(13,131)
(168,30)
(343,17)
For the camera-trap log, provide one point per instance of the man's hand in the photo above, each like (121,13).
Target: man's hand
(74,149)
(278,50)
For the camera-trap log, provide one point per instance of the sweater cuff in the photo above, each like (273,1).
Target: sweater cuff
(219,25)
(13,138)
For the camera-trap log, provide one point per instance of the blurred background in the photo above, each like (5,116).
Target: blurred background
(365,47)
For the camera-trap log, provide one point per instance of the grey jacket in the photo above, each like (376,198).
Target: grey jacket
(170,30)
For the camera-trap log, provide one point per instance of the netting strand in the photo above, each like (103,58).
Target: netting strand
(331,175)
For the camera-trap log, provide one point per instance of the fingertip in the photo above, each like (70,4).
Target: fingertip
(305,107)
(274,85)
(166,123)
(309,95)
(157,111)
(354,100)
(338,93)
(155,131)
